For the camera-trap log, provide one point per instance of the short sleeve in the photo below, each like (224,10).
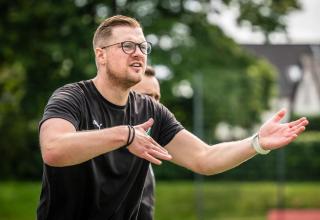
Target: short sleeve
(169,126)
(64,103)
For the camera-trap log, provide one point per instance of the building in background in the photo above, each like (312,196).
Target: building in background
(299,75)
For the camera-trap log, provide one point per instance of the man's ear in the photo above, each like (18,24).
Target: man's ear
(100,55)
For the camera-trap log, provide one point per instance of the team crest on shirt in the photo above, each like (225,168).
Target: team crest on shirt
(95,123)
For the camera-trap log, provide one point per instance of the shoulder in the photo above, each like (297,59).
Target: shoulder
(70,94)
(71,89)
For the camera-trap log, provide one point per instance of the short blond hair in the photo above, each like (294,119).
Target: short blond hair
(105,28)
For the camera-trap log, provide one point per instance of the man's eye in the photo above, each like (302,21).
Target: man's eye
(128,46)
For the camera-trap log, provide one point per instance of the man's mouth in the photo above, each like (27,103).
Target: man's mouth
(136,64)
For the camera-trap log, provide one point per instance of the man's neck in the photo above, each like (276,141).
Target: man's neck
(111,92)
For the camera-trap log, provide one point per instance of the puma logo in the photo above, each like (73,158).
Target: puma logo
(97,124)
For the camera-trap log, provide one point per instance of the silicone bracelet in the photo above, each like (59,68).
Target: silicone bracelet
(256,145)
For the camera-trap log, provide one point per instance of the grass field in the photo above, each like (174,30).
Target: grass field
(231,200)
(177,200)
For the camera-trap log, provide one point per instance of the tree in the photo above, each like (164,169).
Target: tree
(267,16)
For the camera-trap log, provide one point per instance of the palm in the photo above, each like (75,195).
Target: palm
(273,134)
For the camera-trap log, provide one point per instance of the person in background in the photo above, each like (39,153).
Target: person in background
(149,85)
(94,142)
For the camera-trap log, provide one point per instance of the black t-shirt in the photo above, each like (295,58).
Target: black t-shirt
(108,186)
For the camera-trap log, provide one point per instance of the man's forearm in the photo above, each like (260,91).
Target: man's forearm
(225,156)
(189,151)
(76,147)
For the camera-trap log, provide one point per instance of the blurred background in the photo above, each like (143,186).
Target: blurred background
(224,67)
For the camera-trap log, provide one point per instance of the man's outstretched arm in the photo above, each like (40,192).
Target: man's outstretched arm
(61,145)
(189,151)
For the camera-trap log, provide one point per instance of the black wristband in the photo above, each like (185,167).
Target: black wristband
(128,136)
(133,135)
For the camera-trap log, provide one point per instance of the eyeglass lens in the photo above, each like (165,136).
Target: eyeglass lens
(130,47)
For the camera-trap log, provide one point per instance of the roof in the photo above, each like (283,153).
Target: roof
(282,56)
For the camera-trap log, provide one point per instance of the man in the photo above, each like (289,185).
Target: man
(93,138)
(148,85)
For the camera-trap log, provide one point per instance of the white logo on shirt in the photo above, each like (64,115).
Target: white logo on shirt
(97,124)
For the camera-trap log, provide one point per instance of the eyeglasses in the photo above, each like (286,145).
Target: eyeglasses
(129,47)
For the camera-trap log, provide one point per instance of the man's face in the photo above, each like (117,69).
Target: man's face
(126,69)
(149,85)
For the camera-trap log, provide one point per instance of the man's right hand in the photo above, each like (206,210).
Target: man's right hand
(145,147)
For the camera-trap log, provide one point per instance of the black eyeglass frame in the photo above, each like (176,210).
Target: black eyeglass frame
(135,46)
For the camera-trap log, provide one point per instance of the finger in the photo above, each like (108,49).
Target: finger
(305,122)
(279,115)
(290,139)
(302,123)
(151,158)
(159,149)
(293,137)
(159,155)
(297,122)
(146,125)
(157,146)
(298,130)
(295,132)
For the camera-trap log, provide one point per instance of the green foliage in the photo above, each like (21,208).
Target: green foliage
(265,15)
(45,46)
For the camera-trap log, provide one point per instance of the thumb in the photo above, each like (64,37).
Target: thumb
(279,115)
(146,125)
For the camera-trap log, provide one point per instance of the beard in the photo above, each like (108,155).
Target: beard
(125,81)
